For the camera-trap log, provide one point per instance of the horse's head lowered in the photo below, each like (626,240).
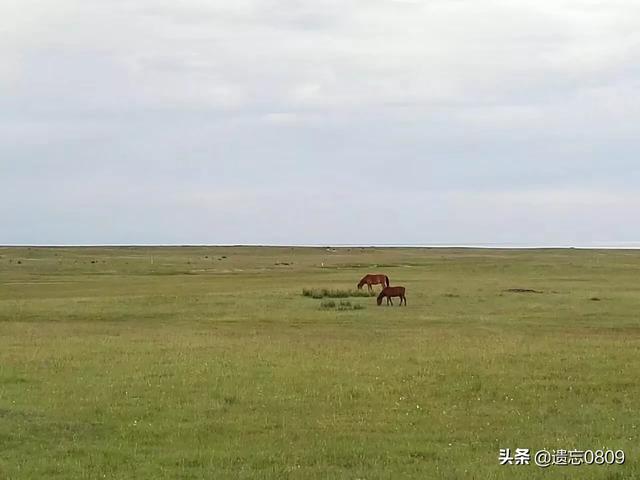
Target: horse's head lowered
(360,284)
(380,297)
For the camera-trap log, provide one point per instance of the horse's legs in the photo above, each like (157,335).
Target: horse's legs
(369,287)
(390,301)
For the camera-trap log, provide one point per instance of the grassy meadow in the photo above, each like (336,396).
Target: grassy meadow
(201,362)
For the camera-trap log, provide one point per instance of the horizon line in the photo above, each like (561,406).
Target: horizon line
(485,246)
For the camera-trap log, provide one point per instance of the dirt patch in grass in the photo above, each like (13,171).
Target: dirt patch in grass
(522,290)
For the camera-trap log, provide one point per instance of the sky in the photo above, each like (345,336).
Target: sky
(319,122)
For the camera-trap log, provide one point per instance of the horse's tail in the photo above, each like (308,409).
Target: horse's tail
(386,280)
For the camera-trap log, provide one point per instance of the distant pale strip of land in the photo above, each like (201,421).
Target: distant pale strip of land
(497,246)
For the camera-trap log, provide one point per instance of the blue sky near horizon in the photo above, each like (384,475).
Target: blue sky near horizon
(324,122)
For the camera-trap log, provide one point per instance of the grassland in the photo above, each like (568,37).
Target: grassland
(194,363)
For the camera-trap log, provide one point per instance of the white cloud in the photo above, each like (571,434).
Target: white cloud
(410,99)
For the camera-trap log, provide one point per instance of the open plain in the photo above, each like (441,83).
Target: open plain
(209,362)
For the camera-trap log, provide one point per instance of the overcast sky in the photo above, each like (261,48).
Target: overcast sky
(319,121)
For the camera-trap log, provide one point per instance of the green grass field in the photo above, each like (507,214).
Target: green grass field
(209,363)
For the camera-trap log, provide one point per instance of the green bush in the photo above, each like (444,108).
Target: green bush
(328,304)
(341,306)
(319,293)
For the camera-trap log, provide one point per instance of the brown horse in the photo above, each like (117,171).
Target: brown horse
(392,292)
(370,279)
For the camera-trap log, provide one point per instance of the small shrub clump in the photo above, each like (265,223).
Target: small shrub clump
(327,304)
(346,305)
(342,305)
(319,293)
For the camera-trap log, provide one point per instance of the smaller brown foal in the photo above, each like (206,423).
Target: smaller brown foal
(392,292)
